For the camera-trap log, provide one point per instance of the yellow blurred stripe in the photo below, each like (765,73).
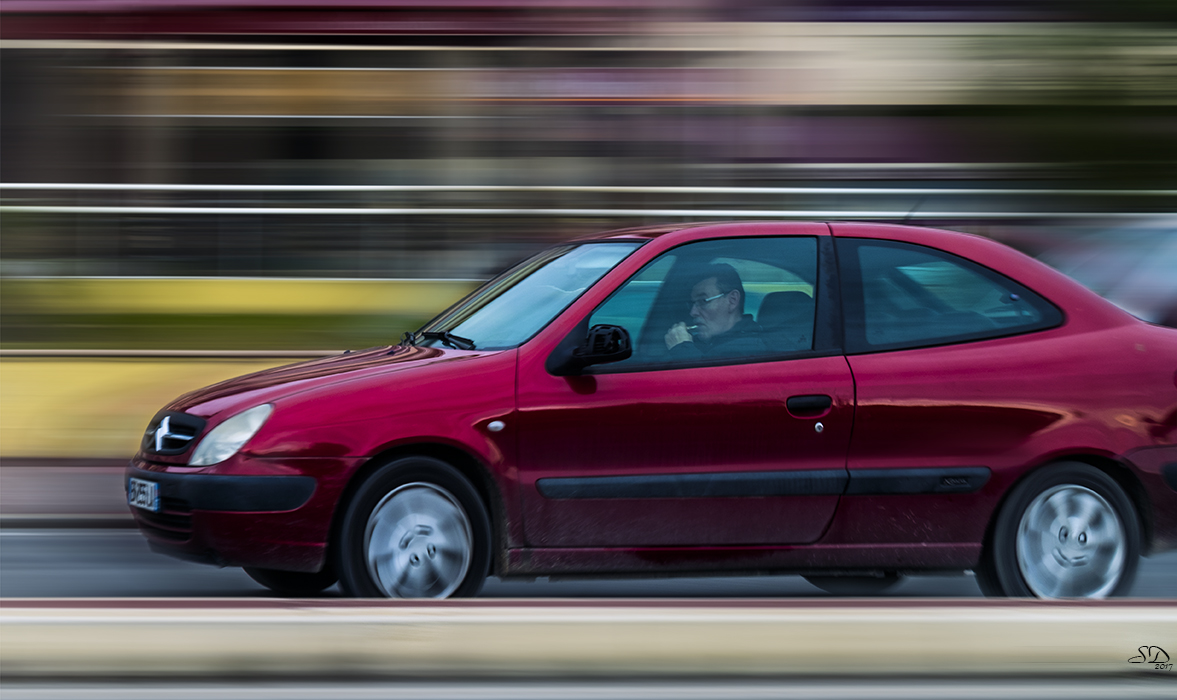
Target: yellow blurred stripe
(189,295)
(99,407)
(67,407)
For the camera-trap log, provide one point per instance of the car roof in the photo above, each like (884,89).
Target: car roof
(703,229)
(706,229)
(1062,290)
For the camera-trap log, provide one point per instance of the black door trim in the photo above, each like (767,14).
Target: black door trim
(878,482)
(816,482)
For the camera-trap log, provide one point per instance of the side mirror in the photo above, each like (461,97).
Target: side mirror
(602,344)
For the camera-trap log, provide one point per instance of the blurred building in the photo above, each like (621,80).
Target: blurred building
(404,138)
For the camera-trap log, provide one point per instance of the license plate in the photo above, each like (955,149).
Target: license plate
(143,494)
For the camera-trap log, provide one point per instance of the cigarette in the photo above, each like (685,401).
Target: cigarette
(691,328)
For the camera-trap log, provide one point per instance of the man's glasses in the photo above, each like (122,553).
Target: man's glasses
(701,302)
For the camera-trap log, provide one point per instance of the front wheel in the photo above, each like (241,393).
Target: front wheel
(1067,531)
(415,528)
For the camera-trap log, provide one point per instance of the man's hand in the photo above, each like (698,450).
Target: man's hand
(678,333)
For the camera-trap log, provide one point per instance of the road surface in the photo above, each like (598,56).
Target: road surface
(117,563)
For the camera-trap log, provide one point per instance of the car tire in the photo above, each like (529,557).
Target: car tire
(301,584)
(1066,531)
(855,585)
(415,528)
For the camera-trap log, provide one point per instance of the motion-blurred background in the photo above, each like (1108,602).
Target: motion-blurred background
(281,175)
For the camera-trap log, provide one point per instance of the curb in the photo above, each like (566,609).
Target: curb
(505,639)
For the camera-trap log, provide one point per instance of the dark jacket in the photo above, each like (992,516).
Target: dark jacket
(743,339)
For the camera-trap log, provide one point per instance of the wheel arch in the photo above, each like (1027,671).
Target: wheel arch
(1118,471)
(468,465)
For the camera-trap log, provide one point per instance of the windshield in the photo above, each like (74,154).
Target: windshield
(514,306)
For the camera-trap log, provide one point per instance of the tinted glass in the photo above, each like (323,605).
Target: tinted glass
(728,299)
(904,295)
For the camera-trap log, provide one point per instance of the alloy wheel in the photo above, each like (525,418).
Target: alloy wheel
(418,542)
(1071,544)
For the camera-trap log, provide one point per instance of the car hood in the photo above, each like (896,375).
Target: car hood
(271,384)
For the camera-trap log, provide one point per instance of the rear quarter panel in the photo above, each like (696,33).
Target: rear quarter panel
(1099,385)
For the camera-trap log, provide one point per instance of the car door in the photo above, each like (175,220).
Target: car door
(745,447)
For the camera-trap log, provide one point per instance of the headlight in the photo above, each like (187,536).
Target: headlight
(223,441)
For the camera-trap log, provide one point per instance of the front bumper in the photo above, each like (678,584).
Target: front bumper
(271,521)
(230,492)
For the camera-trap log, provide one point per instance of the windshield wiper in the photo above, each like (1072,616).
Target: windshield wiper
(454,341)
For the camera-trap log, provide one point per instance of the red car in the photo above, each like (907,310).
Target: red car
(850,402)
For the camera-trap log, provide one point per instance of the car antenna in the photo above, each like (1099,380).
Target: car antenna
(907,219)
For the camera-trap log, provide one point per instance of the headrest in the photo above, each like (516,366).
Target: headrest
(779,308)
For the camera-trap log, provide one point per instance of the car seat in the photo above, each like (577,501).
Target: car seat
(787,320)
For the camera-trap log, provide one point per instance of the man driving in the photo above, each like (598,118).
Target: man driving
(720,325)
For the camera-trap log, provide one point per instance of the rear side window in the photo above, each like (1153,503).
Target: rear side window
(900,295)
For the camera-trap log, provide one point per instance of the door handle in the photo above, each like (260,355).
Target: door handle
(809,406)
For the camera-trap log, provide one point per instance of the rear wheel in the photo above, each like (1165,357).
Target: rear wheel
(1067,531)
(416,528)
(294,583)
(855,585)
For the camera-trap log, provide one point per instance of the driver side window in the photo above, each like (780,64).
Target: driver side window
(631,305)
(715,302)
